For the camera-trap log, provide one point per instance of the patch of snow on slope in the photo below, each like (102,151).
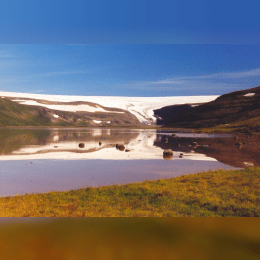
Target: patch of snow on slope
(249,94)
(70,108)
(141,107)
(56,116)
(97,121)
(56,138)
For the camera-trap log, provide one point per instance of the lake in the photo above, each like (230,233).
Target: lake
(42,160)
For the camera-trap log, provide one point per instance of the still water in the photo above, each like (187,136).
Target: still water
(42,160)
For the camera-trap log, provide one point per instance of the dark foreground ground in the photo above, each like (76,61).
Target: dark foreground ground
(130,238)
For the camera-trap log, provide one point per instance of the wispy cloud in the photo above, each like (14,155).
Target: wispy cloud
(222,75)
(216,80)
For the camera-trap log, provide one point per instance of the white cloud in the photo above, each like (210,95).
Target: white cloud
(222,75)
(210,81)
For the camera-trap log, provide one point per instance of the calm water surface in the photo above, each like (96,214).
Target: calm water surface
(42,160)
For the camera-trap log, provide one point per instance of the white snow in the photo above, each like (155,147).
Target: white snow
(56,138)
(249,94)
(97,121)
(141,107)
(249,164)
(70,108)
(56,116)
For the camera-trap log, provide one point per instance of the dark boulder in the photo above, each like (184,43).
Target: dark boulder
(81,145)
(120,147)
(99,143)
(167,157)
(168,151)
(167,154)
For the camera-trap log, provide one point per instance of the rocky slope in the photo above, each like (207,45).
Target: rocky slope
(14,114)
(239,108)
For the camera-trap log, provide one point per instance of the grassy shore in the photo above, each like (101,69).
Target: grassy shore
(248,126)
(207,194)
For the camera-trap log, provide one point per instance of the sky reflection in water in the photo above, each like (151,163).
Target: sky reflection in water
(44,160)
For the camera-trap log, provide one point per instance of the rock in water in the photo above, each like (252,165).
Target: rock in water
(120,147)
(167,154)
(81,145)
(168,151)
(167,157)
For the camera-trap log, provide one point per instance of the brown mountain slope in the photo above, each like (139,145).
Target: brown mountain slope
(14,114)
(231,108)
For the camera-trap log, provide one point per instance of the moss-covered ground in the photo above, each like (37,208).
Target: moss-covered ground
(207,194)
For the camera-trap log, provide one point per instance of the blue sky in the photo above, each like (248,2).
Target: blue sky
(130,47)
(129,21)
(129,69)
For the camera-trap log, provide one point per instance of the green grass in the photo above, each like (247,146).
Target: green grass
(206,194)
(251,126)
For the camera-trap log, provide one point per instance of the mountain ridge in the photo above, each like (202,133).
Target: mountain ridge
(15,114)
(238,108)
(140,108)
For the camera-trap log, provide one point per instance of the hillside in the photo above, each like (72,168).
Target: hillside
(14,114)
(141,108)
(239,110)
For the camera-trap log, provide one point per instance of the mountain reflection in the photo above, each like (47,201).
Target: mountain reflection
(29,144)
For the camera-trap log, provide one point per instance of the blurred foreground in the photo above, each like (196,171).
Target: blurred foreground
(129,238)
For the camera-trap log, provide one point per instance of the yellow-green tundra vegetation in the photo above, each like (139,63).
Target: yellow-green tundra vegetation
(215,193)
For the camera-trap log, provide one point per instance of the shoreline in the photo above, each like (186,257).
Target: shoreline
(204,194)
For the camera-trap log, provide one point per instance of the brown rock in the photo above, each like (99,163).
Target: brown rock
(167,156)
(168,151)
(81,145)
(120,147)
